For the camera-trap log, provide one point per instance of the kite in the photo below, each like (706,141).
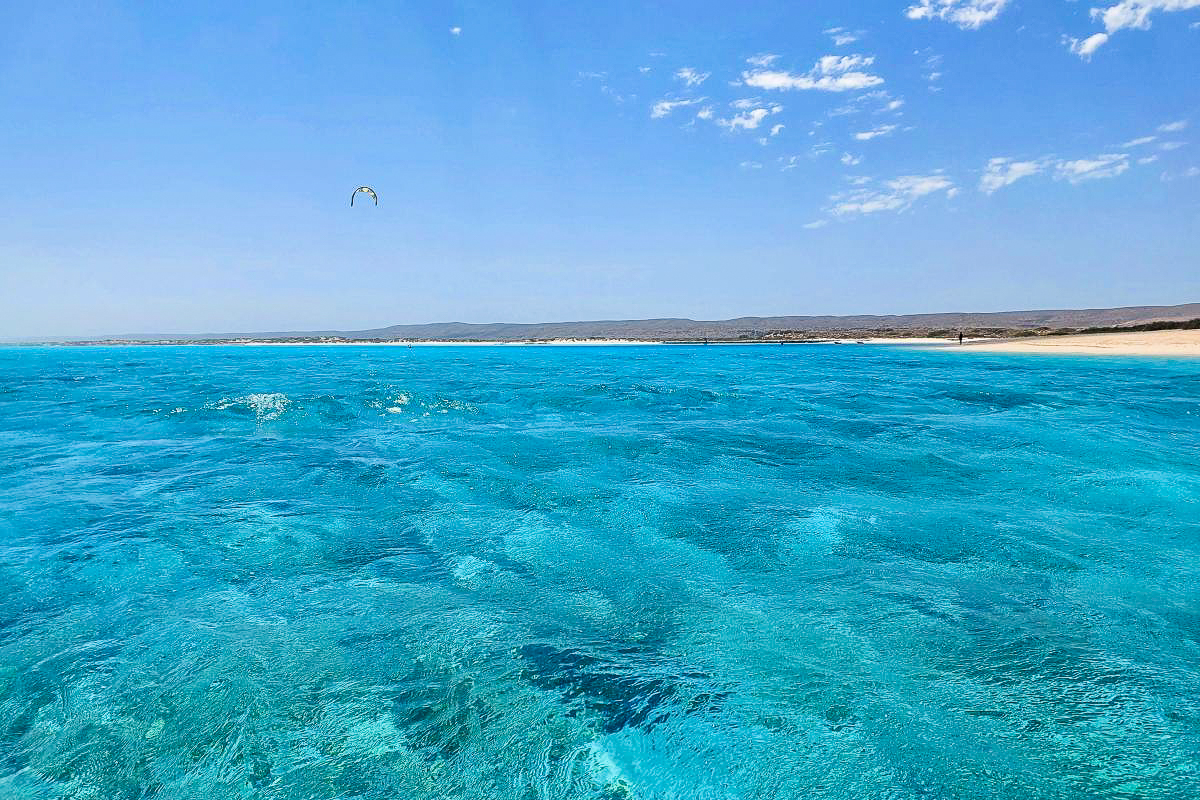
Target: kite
(366,189)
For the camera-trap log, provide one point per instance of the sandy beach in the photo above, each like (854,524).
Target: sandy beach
(1135,343)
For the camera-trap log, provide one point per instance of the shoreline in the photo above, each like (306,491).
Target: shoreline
(1176,342)
(915,341)
(1183,343)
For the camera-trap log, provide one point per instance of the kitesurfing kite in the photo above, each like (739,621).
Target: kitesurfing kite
(366,189)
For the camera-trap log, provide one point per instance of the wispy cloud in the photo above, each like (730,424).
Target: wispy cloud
(881,100)
(830,74)
(1173,127)
(875,133)
(456,31)
(898,194)
(1190,172)
(751,118)
(842,37)
(1140,141)
(1001,172)
(601,78)
(691,76)
(815,224)
(851,161)
(663,108)
(762,60)
(967,14)
(1108,165)
(1124,15)
(933,72)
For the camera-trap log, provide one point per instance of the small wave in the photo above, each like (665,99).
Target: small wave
(396,404)
(265,405)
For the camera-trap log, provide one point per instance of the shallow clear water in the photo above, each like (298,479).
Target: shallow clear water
(723,572)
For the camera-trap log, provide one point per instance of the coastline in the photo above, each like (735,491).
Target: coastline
(604,342)
(917,341)
(1185,343)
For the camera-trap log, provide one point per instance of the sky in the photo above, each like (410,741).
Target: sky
(189,168)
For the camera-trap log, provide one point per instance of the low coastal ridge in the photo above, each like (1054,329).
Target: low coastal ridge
(1143,329)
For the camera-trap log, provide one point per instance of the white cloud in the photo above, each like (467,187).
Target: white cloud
(1141,140)
(750,165)
(456,31)
(830,74)
(751,119)
(1085,47)
(692,77)
(841,37)
(1001,172)
(776,129)
(851,161)
(860,104)
(1190,172)
(643,70)
(1172,145)
(1173,127)
(967,14)
(1124,15)
(898,194)
(882,130)
(812,226)
(1109,165)
(1136,13)
(705,113)
(762,61)
(664,107)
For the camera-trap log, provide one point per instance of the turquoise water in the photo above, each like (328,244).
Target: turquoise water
(722,572)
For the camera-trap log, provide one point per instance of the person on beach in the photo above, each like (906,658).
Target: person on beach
(960,337)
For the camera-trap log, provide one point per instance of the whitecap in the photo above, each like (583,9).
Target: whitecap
(265,405)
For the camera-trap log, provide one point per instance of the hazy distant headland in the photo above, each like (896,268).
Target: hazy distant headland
(1000,324)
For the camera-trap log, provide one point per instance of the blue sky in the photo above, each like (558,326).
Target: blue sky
(189,169)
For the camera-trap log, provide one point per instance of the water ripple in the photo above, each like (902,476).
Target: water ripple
(597,573)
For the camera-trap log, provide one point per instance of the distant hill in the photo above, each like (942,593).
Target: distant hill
(672,329)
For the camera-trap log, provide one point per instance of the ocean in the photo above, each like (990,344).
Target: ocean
(655,572)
